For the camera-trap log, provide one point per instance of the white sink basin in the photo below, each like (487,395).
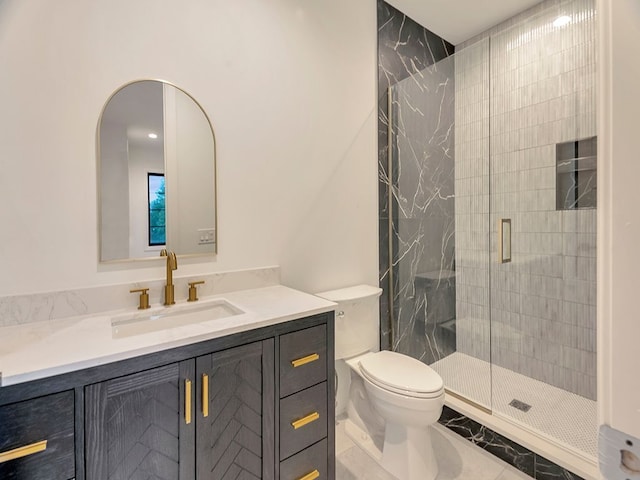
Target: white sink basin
(163,318)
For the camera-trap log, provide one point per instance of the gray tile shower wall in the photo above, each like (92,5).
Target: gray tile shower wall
(541,80)
(472,201)
(422,203)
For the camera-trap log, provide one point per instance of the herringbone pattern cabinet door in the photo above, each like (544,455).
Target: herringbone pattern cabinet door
(134,427)
(230,439)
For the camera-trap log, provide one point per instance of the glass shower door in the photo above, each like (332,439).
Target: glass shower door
(493,223)
(543,148)
(439,158)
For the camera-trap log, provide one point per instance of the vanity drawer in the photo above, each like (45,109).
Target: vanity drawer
(303,419)
(37,438)
(309,464)
(303,359)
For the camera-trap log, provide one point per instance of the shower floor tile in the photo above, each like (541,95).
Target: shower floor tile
(457,459)
(564,416)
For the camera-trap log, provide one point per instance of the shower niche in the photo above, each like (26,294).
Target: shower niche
(576,174)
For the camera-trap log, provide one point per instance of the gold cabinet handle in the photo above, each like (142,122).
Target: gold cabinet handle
(311,475)
(205,395)
(312,417)
(187,402)
(23,451)
(304,360)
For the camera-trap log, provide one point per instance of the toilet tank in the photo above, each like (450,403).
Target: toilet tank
(357,319)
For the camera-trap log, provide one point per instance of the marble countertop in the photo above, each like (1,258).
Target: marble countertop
(38,350)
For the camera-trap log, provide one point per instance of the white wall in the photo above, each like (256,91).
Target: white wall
(619,219)
(289,87)
(114,189)
(195,177)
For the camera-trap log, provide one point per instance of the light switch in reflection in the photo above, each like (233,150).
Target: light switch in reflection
(206,236)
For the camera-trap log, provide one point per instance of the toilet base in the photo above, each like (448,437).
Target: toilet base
(408,453)
(415,461)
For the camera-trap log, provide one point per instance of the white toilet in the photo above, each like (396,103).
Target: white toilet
(383,391)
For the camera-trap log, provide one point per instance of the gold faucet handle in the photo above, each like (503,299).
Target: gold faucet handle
(193,293)
(144,297)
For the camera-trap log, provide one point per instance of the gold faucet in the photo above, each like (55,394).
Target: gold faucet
(172,264)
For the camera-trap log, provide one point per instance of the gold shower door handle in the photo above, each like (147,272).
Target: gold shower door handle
(23,451)
(312,417)
(504,240)
(187,401)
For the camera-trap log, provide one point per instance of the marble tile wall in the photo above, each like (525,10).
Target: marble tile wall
(536,86)
(422,203)
(41,307)
(424,220)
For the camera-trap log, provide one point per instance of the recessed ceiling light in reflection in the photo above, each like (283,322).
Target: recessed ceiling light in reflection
(153,135)
(562,21)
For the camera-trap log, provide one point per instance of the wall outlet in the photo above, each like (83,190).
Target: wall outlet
(206,236)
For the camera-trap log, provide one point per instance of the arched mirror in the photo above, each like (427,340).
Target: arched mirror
(156,174)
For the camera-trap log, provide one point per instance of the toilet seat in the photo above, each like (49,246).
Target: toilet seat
(401,374)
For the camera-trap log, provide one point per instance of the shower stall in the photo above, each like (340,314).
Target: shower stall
(490,187)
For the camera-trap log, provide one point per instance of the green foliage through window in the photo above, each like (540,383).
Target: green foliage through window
(157,224)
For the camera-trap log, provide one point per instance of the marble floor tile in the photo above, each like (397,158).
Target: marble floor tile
(511,473)
(457,459)
(355,464)
(343,442)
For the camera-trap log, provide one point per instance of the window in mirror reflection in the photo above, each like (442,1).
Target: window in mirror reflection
(156,208)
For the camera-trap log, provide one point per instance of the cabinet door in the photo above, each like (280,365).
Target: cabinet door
(37,438)
(137,426)
(235,419)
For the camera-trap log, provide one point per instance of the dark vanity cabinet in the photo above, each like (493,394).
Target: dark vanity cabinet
(37,438)
(208,415)
(253,405)
(234,421)
(304,416)
(138,426)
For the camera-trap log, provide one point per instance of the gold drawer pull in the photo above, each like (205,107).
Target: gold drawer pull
(311,476)
(187,402)
(304,360)
(205,395)
(23,451)
(312,417)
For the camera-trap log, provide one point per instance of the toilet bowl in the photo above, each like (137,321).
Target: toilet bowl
(409,396)
(406,394)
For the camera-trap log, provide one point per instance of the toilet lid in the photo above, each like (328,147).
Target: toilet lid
(401,374)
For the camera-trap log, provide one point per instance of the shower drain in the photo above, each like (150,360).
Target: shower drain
(520,405)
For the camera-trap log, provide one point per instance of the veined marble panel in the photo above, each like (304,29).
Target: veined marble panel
(421,181)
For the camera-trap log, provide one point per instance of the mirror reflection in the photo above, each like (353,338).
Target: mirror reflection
(156,174)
